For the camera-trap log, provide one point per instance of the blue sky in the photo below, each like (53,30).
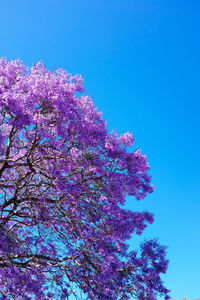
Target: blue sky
(140,62)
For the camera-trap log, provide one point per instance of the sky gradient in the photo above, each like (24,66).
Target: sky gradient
(140,63)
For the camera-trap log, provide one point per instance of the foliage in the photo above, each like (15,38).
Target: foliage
(63,181)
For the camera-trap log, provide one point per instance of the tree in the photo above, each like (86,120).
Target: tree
(63,181)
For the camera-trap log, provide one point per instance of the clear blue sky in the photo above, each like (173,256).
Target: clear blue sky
(140,61)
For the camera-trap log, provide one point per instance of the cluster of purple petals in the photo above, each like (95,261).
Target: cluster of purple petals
(63,183)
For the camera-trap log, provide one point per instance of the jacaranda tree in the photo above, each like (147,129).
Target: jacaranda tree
(63,183)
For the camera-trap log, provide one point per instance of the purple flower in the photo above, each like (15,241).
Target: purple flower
(63,184)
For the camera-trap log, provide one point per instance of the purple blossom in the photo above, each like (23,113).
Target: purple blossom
(127,139)
(64,180)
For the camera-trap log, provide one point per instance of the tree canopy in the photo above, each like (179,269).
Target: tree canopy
(63,183)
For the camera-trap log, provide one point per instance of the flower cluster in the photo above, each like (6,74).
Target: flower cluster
(63,183)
